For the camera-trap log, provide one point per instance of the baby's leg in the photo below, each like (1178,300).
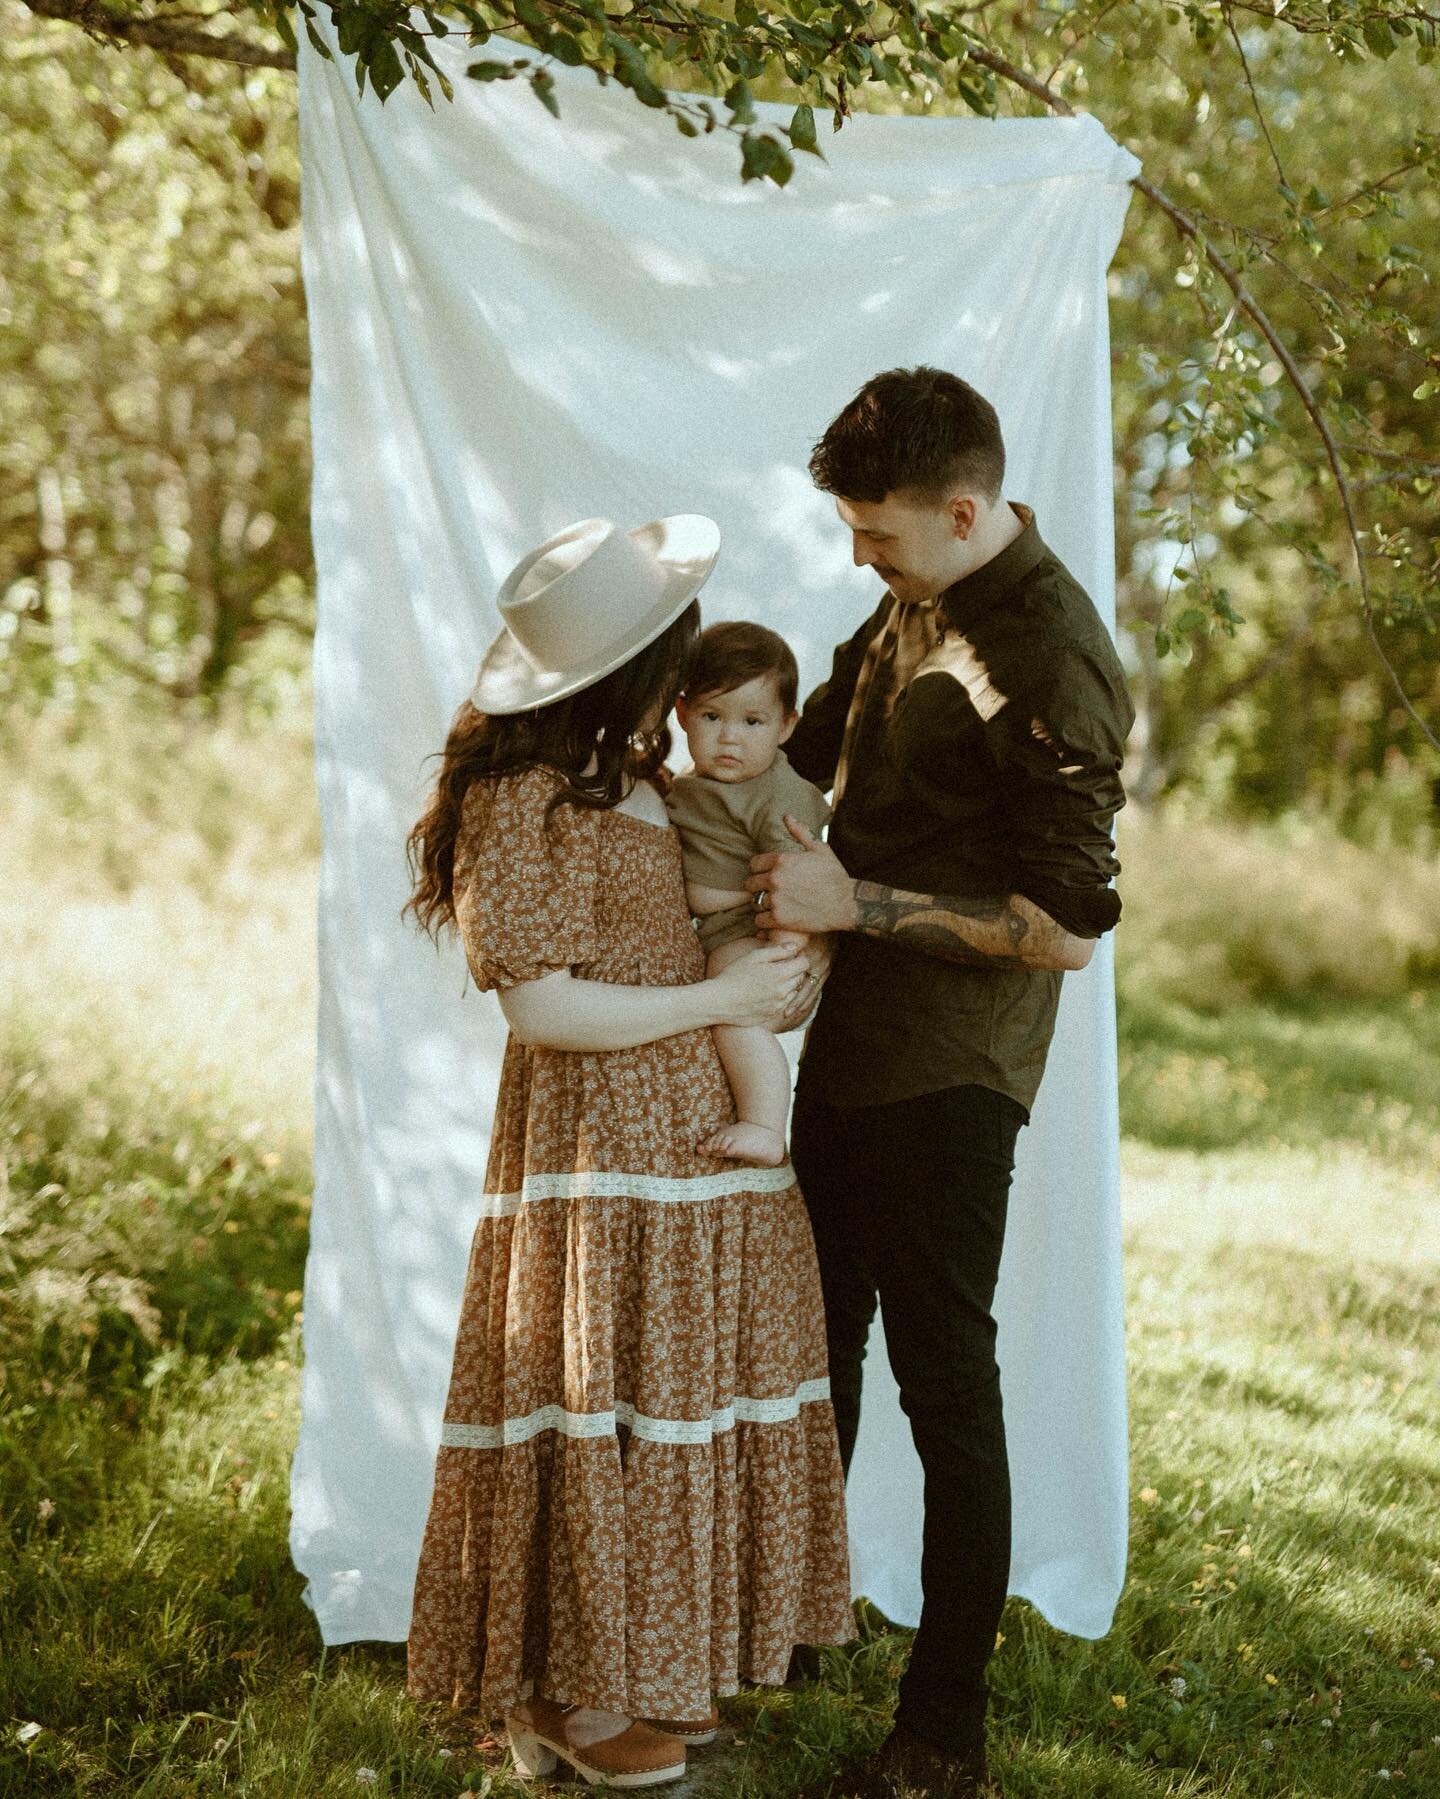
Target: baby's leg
(759,1076)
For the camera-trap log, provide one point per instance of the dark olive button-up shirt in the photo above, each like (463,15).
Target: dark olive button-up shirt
(994,770)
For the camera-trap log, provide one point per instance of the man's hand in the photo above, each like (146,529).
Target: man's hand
(819,953)
(804,889)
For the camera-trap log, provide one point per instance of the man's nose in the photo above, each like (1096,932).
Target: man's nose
(864,556)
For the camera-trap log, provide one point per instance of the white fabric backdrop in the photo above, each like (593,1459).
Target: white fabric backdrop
(516,323)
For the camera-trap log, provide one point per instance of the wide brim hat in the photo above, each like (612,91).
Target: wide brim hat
(585,601)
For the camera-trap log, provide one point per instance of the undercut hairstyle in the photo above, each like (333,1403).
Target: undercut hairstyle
(730,654)
(917,431)
(605,722)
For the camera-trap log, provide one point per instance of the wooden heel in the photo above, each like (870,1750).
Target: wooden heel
(533,1759)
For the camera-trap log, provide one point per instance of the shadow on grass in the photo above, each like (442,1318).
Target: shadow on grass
(1303,1074)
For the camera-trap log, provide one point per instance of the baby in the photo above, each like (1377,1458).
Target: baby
(738,707)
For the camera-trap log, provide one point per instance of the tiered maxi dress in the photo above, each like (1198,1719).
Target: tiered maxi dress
(638,1496)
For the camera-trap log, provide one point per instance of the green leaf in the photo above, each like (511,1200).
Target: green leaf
(534,21)
(1379,38)
(386,73)
(631,70)
(567,49)
(1426,390)
(318,42)
(285,28)
(802,130)
(490,71)
(1190,619)
(741,102)
(1162,643)
(757,155)
(763,157)
(542,83)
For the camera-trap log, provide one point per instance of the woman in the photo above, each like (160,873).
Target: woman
(638,1495)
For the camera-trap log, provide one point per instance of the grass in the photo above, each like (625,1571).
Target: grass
(1280,1630)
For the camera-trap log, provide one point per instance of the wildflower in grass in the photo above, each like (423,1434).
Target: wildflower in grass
(46,1510)
(1177,1686)
(27,1733)
(366,1777)
(1327,1724)
(1267,1745)
(1271,1680)
(1119,1701)
(1148,1495)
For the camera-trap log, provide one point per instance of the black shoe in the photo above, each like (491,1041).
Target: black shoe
(907,1767)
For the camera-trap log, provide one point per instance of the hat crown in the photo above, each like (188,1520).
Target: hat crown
(579,593)
(586,600)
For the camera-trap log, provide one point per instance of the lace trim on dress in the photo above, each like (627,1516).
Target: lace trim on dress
(780,1410)
(662,1189)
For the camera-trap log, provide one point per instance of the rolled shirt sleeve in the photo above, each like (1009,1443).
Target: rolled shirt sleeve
(1058,746)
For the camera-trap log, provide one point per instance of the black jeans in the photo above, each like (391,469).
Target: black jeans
(907,1202)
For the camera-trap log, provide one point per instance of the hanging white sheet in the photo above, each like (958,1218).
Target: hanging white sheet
(515,323)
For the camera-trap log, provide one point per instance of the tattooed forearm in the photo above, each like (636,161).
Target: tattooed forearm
(1004,931)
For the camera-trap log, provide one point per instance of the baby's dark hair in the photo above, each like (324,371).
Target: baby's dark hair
(734,652)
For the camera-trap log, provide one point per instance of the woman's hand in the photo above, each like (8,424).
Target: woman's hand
(759,988)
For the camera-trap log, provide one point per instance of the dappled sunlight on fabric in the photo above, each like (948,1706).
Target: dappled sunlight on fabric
(597,318)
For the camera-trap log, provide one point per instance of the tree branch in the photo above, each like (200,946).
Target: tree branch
(175,38)
(1190,228)
(170,36)
(1255,98)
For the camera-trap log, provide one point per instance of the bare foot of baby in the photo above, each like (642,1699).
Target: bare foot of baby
(747,1143)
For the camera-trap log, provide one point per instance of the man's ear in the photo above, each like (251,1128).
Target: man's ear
(789,726)
(963,514)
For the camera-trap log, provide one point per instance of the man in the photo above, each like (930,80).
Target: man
(972,730)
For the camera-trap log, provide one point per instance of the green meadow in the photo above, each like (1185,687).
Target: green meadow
(1280,1044)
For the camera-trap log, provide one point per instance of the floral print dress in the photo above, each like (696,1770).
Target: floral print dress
(638,1495)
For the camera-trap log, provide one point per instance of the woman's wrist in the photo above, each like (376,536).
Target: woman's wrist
(710,1003)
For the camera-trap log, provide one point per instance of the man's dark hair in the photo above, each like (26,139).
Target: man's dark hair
(730,654)
(919,431)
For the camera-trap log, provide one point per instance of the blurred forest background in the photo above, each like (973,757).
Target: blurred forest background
(1278,962)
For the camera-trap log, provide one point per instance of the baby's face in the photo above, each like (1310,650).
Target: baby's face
(734,736)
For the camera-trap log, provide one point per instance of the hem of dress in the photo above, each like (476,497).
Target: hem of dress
(599,1700)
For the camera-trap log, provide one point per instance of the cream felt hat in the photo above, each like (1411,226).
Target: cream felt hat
(585,601)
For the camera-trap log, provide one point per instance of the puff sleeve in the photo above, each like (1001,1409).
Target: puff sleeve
(524,889)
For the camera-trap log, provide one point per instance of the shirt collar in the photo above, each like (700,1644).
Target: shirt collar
(964,601)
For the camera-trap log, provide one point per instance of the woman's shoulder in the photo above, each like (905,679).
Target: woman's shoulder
(515,808)
(516,790)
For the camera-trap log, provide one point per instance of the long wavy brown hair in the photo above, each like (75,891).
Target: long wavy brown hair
(604,723)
